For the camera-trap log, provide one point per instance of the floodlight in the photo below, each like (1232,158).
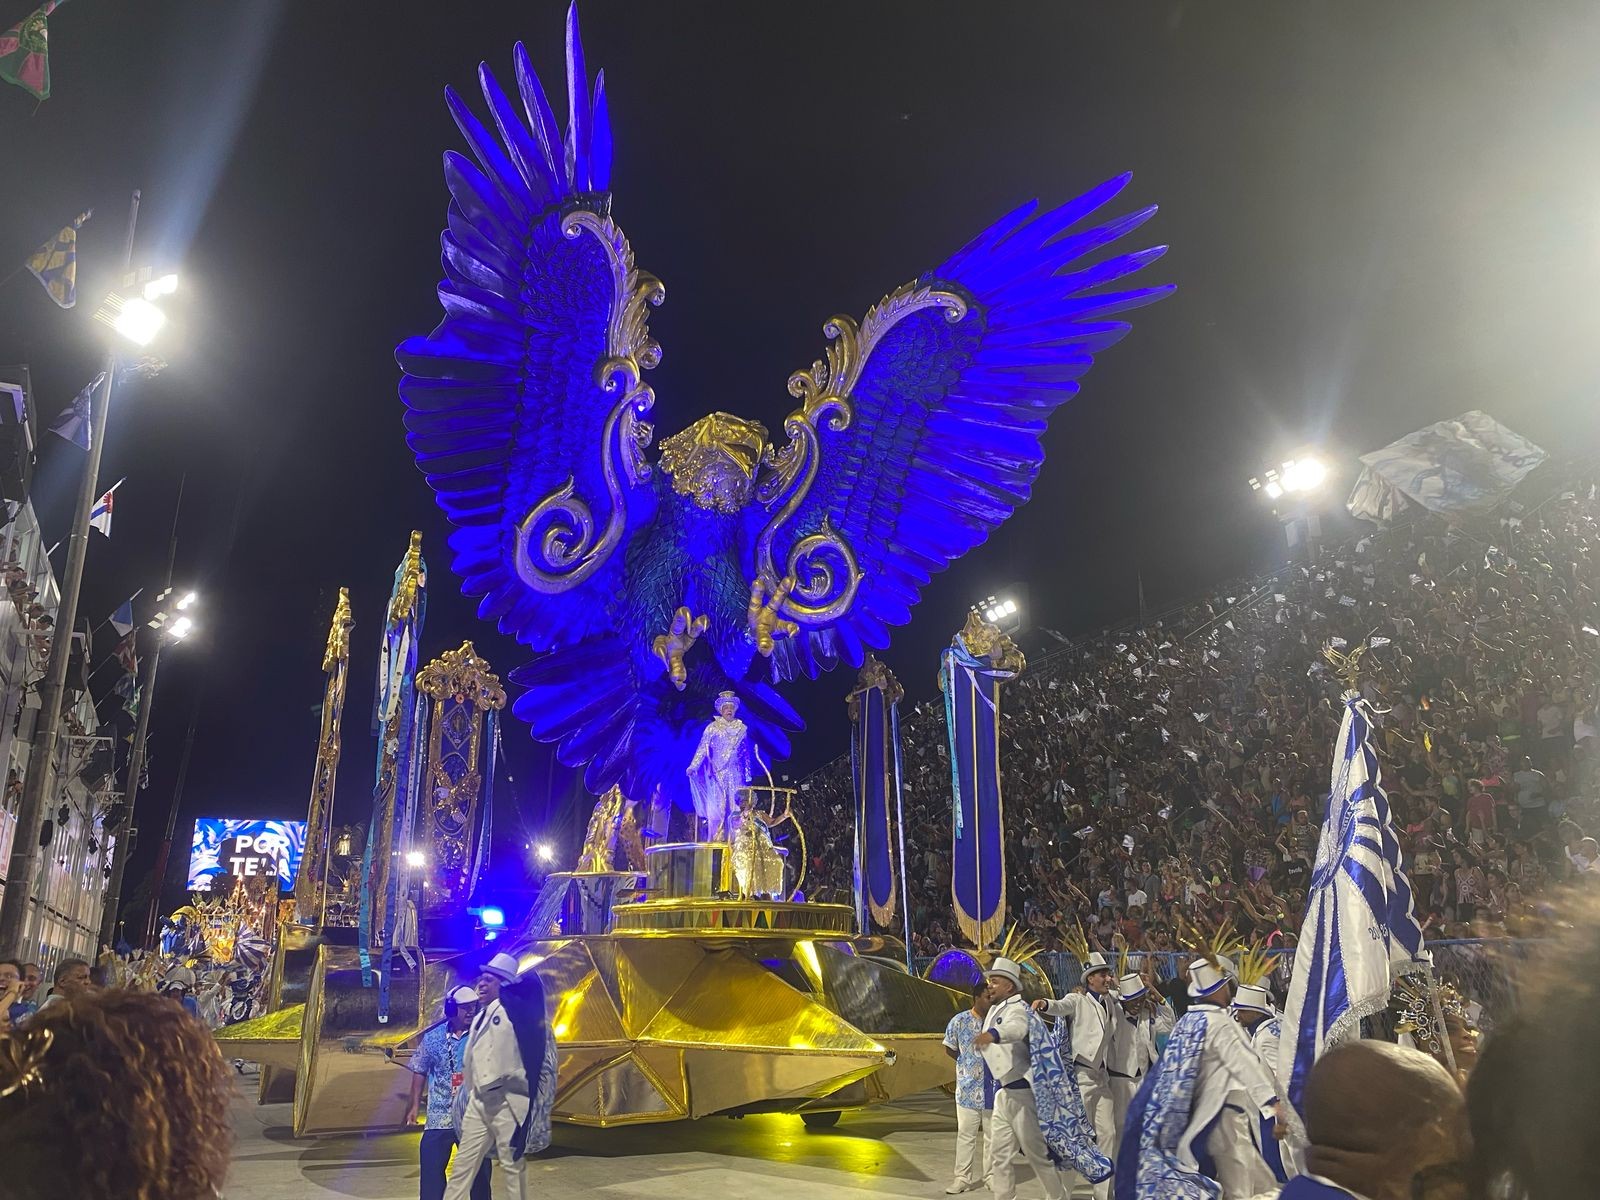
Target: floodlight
(181,628)
(416,858)
(492,917)
(543,852)
(163,286)
(1274,489)
(189,599)
(1304,474)
(139,321)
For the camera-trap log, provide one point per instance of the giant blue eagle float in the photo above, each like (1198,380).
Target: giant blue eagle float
(653,587)
(916,434)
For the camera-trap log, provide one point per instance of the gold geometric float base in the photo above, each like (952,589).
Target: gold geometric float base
(698,1007)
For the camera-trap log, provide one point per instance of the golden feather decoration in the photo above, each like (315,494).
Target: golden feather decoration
(22,1055)
(1076,942)
(1255,966)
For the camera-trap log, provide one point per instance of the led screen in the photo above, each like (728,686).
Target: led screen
(227,846)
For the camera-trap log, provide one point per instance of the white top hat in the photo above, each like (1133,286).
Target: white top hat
(1204,979)
(1131,987)
(464,995)
(503,967)
(1095,962)
(1253,999)
(1005,969)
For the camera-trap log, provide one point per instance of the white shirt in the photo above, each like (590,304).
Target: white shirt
(1137,896)
(1092,1026)
(1009,1059)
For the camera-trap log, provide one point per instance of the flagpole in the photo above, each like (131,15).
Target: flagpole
(146,693)
(23,866)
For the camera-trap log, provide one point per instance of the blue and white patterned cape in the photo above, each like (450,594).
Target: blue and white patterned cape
(1147,1161)
(1067,1132)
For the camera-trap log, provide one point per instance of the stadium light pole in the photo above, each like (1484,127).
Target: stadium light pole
(175,631)
(23,867)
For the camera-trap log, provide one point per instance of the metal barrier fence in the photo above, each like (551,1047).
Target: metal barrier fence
(1487,972)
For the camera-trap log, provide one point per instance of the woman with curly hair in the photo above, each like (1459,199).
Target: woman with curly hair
(117,1095)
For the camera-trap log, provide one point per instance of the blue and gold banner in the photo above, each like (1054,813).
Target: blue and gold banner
(394,719)
(875,757)
(970,674)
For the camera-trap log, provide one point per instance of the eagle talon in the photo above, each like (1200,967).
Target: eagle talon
(766,625)
(670,647)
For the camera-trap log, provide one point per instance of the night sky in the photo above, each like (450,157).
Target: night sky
(1381,215)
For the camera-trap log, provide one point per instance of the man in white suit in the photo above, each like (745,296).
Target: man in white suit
(1145,1016)
(506,1079)
(1092,1016)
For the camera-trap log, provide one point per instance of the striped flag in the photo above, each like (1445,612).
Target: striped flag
(127,653)
(100,515)
(1360,931)
(55,264)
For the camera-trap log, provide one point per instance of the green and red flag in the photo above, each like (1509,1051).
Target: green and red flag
(25,51)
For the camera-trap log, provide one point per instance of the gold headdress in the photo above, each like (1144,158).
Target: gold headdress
(1076,942)
(1215,947)
(1255,967)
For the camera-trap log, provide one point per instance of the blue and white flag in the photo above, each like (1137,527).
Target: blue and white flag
(76,421)
(1360,930)
(122,619)
(100,515)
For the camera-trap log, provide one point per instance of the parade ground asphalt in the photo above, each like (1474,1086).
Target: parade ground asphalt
(904,1149)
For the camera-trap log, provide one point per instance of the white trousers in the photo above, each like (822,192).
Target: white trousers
(1240,1169)
(1122,1093)
(1100,1107)
(1016,1127)
(972,1126)
(486,1127)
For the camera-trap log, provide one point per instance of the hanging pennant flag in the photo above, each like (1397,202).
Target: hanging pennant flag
(76,422)
(25,54)
(55,264)
(126,653)
(122,619)
(132,703)
(100,516)
(125,690)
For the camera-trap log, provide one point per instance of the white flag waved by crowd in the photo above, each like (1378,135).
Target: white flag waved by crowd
(1467,464)
(1360,930)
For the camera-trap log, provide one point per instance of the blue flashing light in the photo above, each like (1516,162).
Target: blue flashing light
(492,917)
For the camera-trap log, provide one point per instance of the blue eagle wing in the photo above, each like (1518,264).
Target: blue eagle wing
(525,407)
(923,424)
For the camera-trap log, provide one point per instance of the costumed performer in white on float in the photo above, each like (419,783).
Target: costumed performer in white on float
(720,767)
(509,1082)
(1092,1018)
(1037,1108)
(1184,1140)
(1145,1016)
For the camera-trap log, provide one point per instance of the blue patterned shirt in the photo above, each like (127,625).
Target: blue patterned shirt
(440,1059)
(974,1084)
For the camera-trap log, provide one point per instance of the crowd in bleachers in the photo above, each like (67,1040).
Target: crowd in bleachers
(1179,772)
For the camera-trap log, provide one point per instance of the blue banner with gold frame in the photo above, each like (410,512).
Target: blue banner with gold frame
(970,674)
(874,757)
